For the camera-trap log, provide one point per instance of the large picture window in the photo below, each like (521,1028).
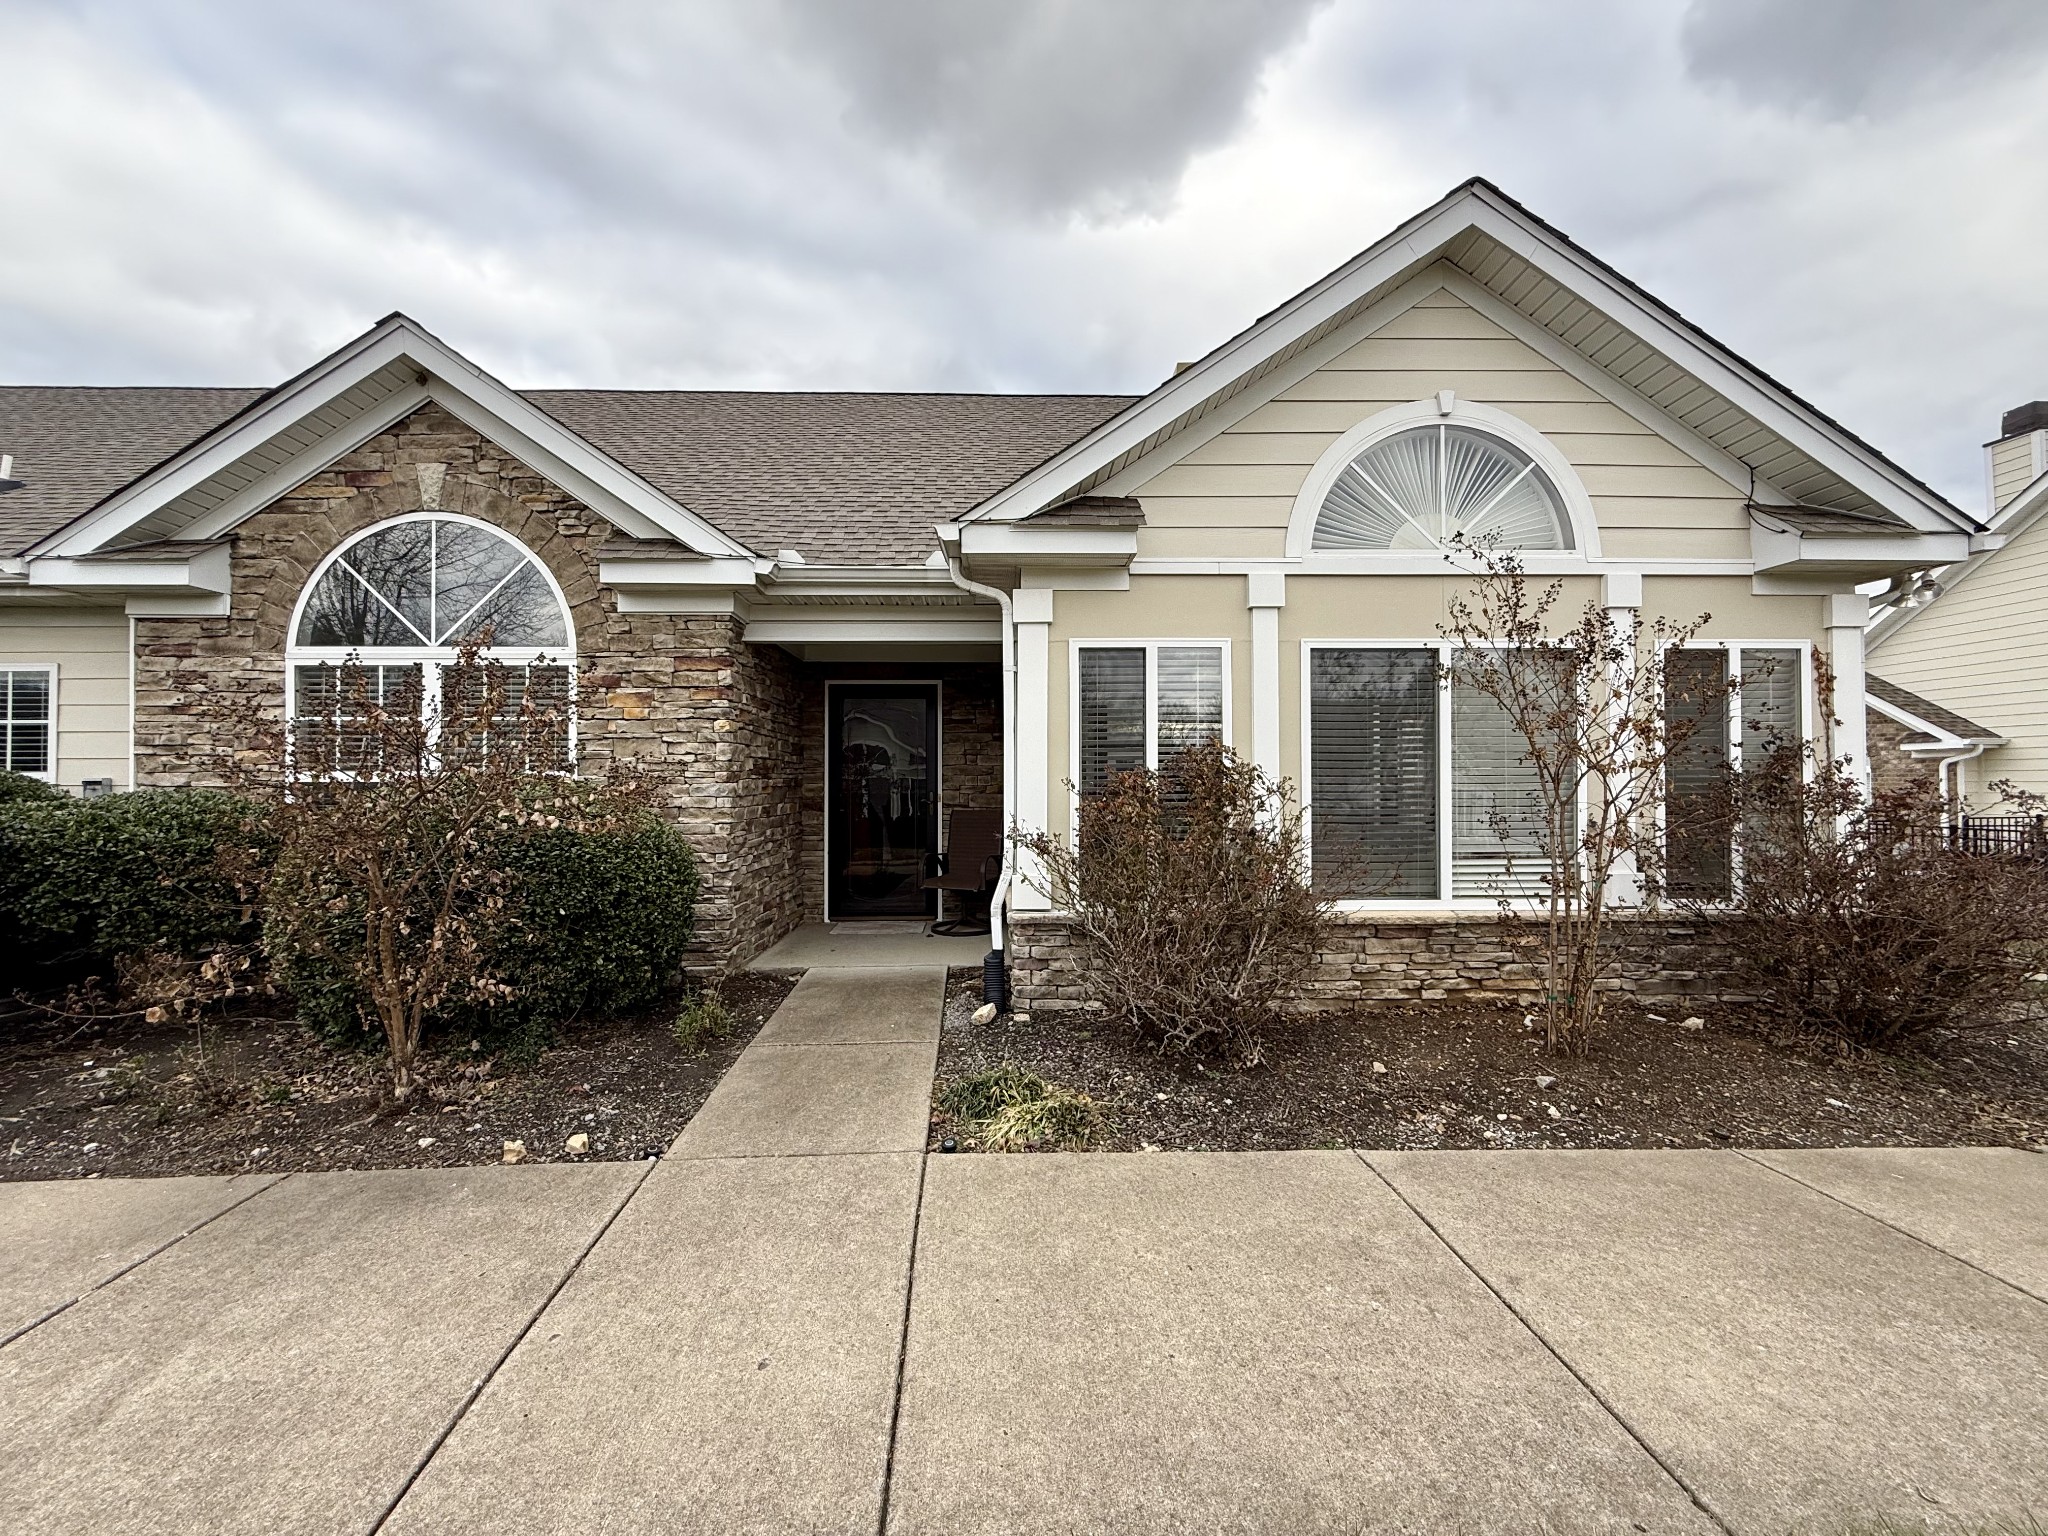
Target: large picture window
(1139,702)
(28,720)
(398,601)
(1419,784)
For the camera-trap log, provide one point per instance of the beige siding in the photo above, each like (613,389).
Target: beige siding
(1982,650)
(1231,496)
(89,647)
(1376,608)
(2012,467)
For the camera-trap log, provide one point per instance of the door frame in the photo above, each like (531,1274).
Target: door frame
(938,687)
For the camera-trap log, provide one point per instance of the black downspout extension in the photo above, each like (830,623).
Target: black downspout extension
(995,981)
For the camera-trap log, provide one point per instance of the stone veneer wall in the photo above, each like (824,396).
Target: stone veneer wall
(711,720)
(1890,767)
(971,746)
(1377,959)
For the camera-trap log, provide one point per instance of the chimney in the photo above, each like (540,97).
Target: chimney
(2020,454)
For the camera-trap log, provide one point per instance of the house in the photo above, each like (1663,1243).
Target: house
(827,620)
(1969,641)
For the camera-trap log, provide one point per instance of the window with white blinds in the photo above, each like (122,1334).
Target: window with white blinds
(1386,822)
(1137,704)
(28,714)
(1373,745)
(1736,705)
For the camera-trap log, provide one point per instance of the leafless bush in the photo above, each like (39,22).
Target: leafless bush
(1860,918)
(386,832)
(1186,891)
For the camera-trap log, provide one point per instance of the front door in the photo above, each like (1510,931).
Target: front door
(882,795)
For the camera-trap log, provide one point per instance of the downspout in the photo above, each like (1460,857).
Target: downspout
(998,902)
(1953,799)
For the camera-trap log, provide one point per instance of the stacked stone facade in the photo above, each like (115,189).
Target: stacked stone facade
(1474,956)
(713,722)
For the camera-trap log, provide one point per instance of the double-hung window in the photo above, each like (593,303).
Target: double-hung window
(1137,703)
(28,720)
(1726,707)
(1420,785)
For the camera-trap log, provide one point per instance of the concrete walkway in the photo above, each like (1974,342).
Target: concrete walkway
(797,1322)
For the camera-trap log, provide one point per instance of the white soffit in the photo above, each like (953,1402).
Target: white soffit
(1714,395)
(298,429)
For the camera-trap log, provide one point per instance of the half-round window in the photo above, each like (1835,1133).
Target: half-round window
(1426,487)
(382,625)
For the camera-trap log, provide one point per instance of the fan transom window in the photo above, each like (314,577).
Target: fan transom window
(1428,486)
(399,602)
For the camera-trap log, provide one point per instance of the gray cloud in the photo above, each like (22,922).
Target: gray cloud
(1052,106)
(1841,59)
(766,193)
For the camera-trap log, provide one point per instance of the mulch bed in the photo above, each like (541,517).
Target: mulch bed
(264,1094)
(1463,1075)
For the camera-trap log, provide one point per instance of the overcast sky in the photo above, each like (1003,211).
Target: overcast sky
(1008,194)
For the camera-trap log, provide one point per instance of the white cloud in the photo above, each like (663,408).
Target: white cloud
(1040,194)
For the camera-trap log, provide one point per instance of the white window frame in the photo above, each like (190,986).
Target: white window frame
(1443,409)
(1733,708)
(48,773)
(1446,762)
(431,659)
(1151,648)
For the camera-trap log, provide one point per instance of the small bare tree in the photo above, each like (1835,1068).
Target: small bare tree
(1589,700)
(1187,894)
(388,817)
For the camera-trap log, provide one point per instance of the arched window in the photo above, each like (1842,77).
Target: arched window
(398,601)
(1421,488)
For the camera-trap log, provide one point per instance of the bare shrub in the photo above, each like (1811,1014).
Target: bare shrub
(389,827)
(1861,919)
(1008,1108)
(1587,697)
(1186,890)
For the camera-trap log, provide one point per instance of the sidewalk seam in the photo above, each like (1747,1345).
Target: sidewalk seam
(1698,1499)
(477,1388)
(135,1264)
(902,1351)
(1890,1226)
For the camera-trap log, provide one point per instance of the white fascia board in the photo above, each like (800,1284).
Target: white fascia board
(205,572)
(626,575)
(859,581)
(1782,550)
(466,391)
(1720,371)
(786,629)
(1421,241)
(1048,544)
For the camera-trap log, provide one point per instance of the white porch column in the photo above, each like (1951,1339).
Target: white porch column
(1032,607)
(1621,594)
(1848,615)
(1266,595)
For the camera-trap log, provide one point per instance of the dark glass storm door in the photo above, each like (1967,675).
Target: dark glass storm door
(882,792)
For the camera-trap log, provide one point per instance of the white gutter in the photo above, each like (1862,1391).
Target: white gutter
(998,901)
(1954,798)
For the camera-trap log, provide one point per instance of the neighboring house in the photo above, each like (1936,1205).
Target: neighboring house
(824,620)
(1973,639)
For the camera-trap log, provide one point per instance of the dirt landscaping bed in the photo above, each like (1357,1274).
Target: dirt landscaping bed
(127,1101)
(1462,1075)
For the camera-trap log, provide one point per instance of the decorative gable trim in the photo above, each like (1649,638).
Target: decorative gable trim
(283,438)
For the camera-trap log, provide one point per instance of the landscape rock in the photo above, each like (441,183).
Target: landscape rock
(515,1152)
(578,1144)
(1695,1022)
(1545,1080)
(985,1014)
(1379,1069)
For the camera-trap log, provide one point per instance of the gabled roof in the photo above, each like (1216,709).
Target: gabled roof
(845,478)
(2007,524)
(279,438)
(1651,353)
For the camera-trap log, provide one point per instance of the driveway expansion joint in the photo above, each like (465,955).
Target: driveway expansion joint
(1869,1215)
(1698,1499)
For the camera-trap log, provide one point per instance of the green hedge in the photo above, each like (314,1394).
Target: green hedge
(82,881)
(598,926)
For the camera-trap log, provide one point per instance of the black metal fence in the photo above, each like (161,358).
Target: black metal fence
(2023,835)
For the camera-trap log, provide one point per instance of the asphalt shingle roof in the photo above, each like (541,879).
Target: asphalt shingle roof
(1926,709)
(844,478)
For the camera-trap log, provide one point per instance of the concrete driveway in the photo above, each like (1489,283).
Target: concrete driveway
(881,1341)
